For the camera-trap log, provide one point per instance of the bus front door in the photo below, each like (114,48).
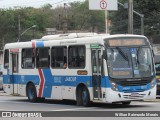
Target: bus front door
(14,73)
(96,73)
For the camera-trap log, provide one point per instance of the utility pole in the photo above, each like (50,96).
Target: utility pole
(3,42)
(142,25)
(106,20)
(130,16)
(142,21)
(136,13)
(65,19)
(19,27)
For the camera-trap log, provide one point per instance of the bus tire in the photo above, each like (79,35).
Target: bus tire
(126,102)
(79,100)
(83,97)
(31,93)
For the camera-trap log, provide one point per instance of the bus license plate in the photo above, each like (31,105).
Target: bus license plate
(134,94)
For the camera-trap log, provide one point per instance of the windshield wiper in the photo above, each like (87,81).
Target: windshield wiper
(138,56)
(122,54)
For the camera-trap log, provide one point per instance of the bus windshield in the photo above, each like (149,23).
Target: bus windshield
(129,62)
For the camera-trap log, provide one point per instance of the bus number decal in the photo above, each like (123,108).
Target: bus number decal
(71,79)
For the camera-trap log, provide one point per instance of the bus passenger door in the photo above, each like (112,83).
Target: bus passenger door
(96,73)
(14,73)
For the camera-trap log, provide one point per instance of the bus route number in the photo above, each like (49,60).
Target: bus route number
(71,79)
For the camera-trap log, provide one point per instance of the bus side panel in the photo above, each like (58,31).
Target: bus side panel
(6,82)
(48,83)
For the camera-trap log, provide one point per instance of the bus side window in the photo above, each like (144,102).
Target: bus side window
(6,59)
(59,57)
(28,58)
(76,56)
(43,57)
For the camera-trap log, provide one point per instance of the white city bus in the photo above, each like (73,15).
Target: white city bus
(82,67)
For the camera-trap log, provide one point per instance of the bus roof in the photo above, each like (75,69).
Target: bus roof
(73,38)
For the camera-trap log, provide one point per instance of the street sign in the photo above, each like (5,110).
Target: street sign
(103,5)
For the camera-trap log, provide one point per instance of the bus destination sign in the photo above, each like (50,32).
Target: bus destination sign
(126,42)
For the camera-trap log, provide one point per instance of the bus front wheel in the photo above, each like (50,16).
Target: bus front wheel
(83,97)
(31,93)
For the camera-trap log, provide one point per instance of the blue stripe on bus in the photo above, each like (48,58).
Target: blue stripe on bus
(53,80)
(20,79)
(67,81)
(39,44)
(48,83)
(105,82)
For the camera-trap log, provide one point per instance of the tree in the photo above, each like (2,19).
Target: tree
(119,20)
(151,11)
(7,25)
(86,19)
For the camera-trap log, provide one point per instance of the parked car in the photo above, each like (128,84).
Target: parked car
(157,66)
(156,50)
(1,77)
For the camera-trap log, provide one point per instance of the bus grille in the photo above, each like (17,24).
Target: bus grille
(140,96)
(134,83)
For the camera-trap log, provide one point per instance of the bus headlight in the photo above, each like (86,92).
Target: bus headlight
(153,83)
(114,86)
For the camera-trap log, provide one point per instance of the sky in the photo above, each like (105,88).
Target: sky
(32,3)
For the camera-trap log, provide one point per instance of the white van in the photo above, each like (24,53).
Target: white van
(1,77)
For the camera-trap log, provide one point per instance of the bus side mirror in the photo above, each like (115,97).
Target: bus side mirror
(104,55)
(153,53)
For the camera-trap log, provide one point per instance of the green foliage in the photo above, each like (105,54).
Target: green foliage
(86,19)
(78,18)
(151,11)
(76,14)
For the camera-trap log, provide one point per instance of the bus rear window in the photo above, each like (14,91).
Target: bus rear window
(6,59)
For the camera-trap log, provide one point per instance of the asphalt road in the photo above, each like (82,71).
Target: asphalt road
(16,103)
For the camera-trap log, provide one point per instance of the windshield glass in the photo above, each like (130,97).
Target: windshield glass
(129,62)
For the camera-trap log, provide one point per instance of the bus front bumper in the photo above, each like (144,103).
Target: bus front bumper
(115,96)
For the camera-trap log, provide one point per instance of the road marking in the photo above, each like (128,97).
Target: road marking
(72,109)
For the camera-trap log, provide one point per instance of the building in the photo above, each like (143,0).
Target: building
(51,31)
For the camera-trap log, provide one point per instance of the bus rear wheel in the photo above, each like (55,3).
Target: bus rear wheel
(31,93)
(83,97)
